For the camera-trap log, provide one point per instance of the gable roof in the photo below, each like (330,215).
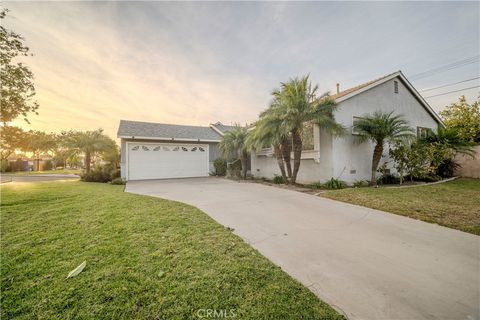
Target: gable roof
(351,92)
(163,131)
(221,128)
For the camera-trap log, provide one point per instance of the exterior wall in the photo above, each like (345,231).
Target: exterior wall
(352,161)
(212,151)
(311,170)
(341,157)
(470,167)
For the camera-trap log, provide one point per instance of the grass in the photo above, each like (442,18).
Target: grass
(27,173)
(454,204)
(147,258)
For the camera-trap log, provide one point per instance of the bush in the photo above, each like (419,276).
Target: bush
(361,184)
(278,180)
(47,165)
(447,168)
(118,181)
(335,184)
(388,178)
(100,174)
(220,166)
(234,169)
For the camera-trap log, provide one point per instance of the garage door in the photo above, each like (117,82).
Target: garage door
(166,160)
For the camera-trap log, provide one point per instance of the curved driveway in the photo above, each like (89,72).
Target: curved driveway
(366,263)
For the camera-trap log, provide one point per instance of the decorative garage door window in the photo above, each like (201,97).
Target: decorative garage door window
(165,148)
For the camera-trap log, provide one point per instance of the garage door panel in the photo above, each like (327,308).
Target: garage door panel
(163,160)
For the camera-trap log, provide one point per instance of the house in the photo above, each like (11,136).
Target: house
(160,151)
(341,157)
(157,151)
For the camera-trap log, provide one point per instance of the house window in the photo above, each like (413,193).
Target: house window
(423,132)
(395,86)
(307,136)
(354,122)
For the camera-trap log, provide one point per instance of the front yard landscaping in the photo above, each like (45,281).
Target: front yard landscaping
(28,173)
(454,204)
(146,258)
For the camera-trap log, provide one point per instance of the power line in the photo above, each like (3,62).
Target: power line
(450,84)
(441,94)
(446,67)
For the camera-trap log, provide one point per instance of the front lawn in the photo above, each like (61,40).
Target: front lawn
(454,204)
(147,258)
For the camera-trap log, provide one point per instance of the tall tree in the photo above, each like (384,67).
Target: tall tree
(381,127)
(296,103)
(17,88)
(11,139)
(465,118)
(89,143)
(37,142)
(235,141)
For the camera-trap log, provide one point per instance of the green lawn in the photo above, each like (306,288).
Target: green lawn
(147,258)
(454,204)
(27,173)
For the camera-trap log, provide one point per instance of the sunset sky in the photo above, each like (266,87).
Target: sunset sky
(196,63)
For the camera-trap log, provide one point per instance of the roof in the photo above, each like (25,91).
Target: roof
(351,92)
(221,128)
(149,130)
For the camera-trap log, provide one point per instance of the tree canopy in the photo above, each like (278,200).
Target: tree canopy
(465,118)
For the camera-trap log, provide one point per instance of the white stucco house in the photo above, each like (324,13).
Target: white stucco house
(159,151)
(342,158)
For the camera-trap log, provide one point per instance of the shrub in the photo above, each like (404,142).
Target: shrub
(361,183)
(47,165)
(388,178)
(335,184)
(234,169)
(118,181)
(220,166)
(100,174)
(278,180)
(447,168)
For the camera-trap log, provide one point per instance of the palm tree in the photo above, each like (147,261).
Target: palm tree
(235,142)
(89,143)
(379,128)
(297,103)
(269,132)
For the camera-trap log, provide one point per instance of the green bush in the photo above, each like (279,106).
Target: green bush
(388,178)
(335,184)
(234,169)
(118,181)
(278,180)
(47,165)
(220,166)
(105,173)
(361,184)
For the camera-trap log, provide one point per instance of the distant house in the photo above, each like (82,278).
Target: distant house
(158,151)
(341,157)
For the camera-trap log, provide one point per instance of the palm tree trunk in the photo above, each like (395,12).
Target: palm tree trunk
(244,160)
(278,155)
(88,159)
(286,149)
(297,153)
(377,155)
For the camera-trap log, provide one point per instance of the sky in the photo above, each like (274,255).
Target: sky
(201,62)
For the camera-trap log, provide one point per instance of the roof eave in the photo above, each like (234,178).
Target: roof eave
(167,139)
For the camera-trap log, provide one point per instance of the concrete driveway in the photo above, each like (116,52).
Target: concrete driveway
(366,263)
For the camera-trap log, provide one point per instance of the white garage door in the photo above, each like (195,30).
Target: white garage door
(166,160)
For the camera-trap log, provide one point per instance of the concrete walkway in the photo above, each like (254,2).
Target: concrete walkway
(366,263)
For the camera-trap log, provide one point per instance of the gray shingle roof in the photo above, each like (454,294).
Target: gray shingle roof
(139,129)
(222,127)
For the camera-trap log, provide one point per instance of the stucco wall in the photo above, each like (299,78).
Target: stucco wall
(470,167)
(212,151)
(343,158)
(352,161)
